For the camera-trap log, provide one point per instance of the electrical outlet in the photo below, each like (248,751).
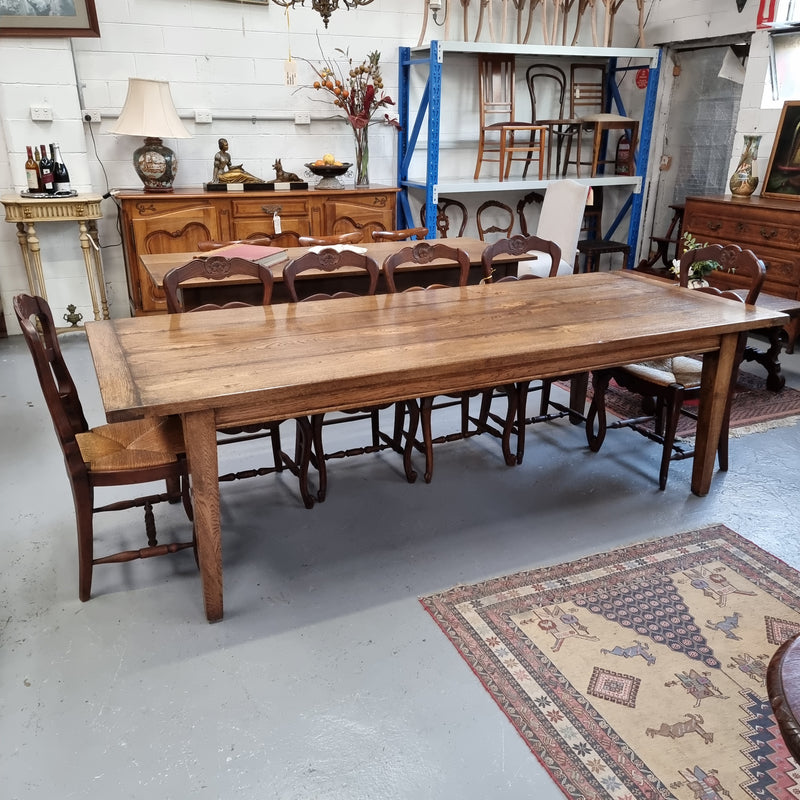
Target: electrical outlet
(665,163)
(91,115)
(41,113)
(202,117)
(302,118)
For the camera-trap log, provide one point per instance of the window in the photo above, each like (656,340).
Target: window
(785,64)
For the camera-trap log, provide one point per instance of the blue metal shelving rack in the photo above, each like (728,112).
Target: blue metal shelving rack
(432,57)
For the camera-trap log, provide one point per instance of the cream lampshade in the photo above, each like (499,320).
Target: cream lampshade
(150,112)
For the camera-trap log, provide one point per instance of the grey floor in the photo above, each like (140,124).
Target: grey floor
(326,680)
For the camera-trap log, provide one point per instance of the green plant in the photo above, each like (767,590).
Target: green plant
(699,269)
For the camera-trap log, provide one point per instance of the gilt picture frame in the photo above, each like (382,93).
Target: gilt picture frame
(783,172)
(71,18)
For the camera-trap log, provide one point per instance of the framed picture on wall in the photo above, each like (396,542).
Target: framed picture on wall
(48,18)
(783,172)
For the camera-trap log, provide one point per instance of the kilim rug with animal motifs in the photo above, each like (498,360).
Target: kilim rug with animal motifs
(639,673)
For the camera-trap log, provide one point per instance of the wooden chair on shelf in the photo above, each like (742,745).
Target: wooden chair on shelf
(366,272)
(496,77)
(115,454)
(399,235)
(452,269)
(672,381)
(444,208)
(351,237)
(588,104)
(595,246)
(547,87)
(501,219)
(217,268)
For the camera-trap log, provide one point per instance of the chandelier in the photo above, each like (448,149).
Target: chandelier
(324,7)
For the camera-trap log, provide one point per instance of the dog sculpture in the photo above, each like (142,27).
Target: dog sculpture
(283,177)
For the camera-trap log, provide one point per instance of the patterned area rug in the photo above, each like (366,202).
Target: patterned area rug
(753,408)
(639,673)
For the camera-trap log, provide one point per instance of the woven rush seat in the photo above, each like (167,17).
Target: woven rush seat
(136,444)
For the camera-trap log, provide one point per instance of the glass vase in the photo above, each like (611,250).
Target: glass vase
(744,180)
(362,155)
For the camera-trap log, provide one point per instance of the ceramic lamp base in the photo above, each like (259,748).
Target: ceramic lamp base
(156,165)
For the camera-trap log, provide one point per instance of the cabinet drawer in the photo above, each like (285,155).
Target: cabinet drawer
(265,226)
(746,230)
(263,206)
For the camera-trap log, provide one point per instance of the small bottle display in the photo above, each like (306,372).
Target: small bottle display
(31,172)
(46,171)
(60,172)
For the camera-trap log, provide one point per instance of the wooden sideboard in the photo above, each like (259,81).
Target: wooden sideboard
(769,227)
(174,223)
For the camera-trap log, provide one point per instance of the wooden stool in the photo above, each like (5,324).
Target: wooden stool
(593,249)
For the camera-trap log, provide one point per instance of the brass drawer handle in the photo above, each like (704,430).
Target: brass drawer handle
(714,226)
(771,235)
(271,209)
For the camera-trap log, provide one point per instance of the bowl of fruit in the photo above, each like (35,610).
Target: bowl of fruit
(328,169)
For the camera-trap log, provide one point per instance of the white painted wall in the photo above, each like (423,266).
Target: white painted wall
(228,58)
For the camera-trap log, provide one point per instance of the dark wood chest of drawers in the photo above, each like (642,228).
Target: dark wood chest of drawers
(769,227)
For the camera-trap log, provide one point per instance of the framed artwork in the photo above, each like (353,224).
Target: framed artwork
(48,18)
(783,172)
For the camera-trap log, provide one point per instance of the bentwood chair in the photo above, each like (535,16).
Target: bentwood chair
(115,454)
(452,269)
(214,269)
(547,87)
(362,276)
(673,381)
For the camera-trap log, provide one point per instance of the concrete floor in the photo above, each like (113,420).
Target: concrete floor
(326,680)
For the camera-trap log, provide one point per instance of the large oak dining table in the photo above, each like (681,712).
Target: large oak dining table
(247,365)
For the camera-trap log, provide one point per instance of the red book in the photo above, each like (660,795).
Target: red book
(261,254)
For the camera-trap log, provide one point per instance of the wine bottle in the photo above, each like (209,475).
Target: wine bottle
(31,172)
(60,172)
(46,171)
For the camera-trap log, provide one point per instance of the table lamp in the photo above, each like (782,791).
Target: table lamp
(150,112)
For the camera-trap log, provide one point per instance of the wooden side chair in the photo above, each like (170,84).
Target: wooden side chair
(496,78)
(588,106)
(451,269)
(115,454)
(515,395)
(783,690)
(217,268)
(444,208)
(399,235)
(672,381)
(367,272)
(351,237)
(493,217)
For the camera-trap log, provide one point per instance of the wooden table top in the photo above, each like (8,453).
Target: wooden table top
(158,266)
(282,361)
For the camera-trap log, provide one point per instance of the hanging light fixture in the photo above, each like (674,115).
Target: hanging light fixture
(324,7)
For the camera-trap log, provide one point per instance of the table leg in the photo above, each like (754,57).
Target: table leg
(578,388)
(769,359)
(86,246)
(33,262)
(22,238)
(98,268)
(200,436)
(714,388)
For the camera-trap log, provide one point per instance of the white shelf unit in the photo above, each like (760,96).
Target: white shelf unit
(433,58)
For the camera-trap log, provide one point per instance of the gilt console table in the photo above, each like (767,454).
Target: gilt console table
(83,209)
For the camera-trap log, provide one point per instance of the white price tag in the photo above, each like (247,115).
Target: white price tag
(276,222)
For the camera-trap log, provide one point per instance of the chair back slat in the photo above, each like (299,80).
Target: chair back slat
(330,261)
(740,269)
(518,246)
(456,262)
(214,268)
